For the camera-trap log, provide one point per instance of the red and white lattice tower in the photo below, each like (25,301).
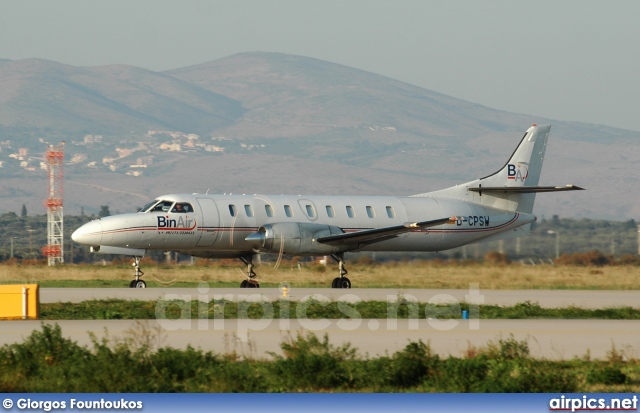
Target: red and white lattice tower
(54,250)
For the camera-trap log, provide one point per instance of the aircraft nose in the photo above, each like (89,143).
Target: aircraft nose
(88,234)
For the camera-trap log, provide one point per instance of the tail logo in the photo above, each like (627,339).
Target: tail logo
(518,172)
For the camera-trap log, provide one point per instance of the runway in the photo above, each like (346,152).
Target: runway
(589,299)
(552,339)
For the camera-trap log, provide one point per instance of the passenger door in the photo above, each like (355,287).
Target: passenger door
(209,222)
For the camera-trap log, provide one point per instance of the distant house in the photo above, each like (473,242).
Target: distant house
(90,139)
(171,147)
(213,148)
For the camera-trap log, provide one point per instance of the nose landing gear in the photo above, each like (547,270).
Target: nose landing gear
(137,282)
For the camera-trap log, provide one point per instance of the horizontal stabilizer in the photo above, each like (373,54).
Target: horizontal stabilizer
(370,236)
(525,189)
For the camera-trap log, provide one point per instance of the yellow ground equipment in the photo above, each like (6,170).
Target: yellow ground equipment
(19,301)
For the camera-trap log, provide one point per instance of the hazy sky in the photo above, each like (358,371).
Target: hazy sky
(570,60)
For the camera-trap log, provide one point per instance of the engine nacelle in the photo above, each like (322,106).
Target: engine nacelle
(295,238)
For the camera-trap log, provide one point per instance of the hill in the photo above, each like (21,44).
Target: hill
(285,124)
(43,95)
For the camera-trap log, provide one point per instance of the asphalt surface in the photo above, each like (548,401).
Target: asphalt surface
(552,339)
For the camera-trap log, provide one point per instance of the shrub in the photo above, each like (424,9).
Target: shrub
(43,360)
(584,259)
(410,366)
(311,364)
(529,376)
(496,258)
(463,375)
(509,349)
(608,375)
(629,259)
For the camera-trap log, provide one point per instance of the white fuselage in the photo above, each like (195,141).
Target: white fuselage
(217,225)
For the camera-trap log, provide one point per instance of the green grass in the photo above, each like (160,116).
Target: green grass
(130,310)
(47,362)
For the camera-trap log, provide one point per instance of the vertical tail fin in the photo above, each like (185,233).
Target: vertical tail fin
(521,170)
(525,165)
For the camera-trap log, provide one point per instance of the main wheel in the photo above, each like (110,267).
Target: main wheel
(139,284)
(335,282)
(132,284)
(344,282)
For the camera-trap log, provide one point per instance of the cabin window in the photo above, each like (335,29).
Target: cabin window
(330,212)
(269,210)
(350,212)
(248,210)
(232,210)
(390,212)
(182,207)
(370,212)
(288,211)
(310,211)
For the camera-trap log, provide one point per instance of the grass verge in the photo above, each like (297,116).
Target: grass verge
(175,309)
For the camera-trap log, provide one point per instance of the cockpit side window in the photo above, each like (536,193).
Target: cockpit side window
(182,207)
(162,206)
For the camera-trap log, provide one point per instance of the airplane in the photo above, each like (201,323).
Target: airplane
(498,206)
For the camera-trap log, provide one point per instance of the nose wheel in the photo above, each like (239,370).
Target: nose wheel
(342,281)
(137,282)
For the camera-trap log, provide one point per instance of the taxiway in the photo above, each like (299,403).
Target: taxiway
(553,339)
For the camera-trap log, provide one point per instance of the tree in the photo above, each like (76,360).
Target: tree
(104,211)
(24,211)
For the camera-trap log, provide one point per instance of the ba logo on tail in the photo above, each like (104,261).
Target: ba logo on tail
(518,172)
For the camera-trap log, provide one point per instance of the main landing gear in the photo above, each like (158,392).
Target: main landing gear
(342,281)
(137,282)
(339,282)
(251,281)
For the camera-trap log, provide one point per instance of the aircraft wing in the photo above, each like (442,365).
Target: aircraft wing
(370,236)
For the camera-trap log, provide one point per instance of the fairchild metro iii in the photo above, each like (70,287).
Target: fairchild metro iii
(498,206)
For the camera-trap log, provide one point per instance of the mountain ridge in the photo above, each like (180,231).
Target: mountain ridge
(363,133)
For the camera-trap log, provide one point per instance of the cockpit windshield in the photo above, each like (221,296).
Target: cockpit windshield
(147,206)
(166,206)
(157,206)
